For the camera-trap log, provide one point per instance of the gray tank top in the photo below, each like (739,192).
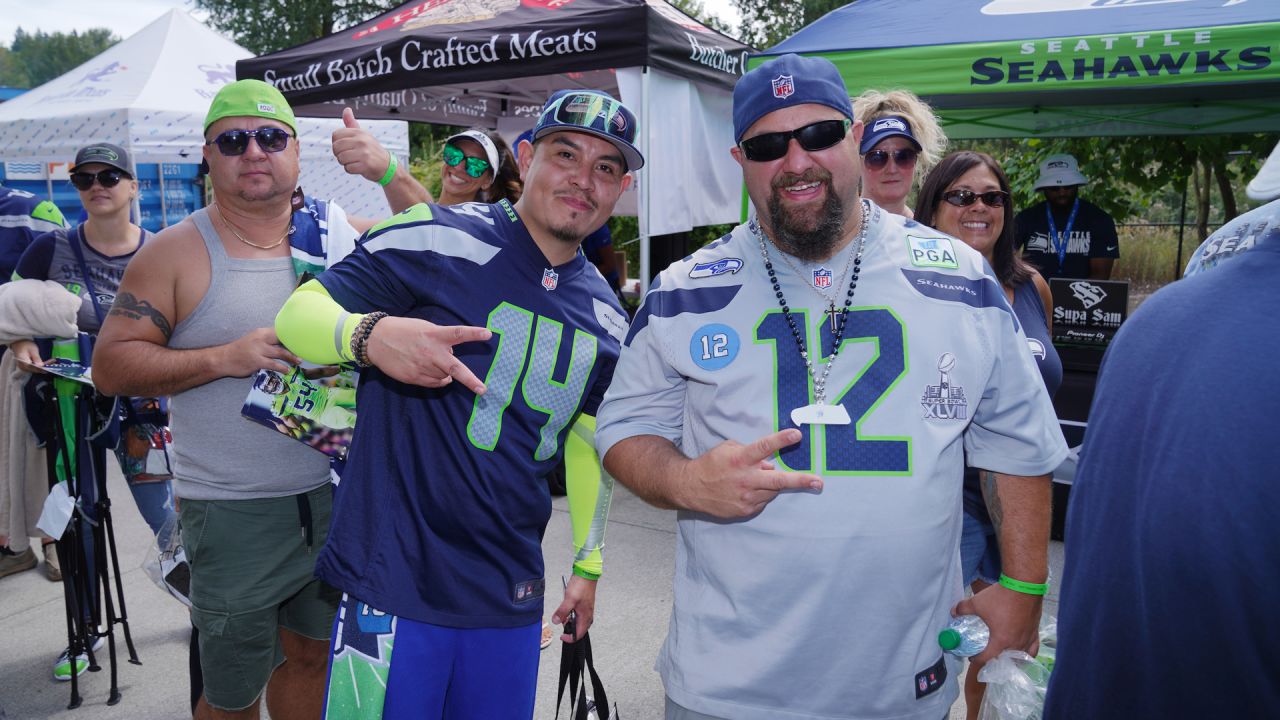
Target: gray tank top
(219,455)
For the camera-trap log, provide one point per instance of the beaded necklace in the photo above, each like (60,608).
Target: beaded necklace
(819,412)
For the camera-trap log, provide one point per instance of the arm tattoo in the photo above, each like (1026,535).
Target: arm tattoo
(992,498)
(126,305)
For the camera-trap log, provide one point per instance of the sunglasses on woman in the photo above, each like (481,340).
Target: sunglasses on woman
(965,198)
(902,157)
(476,167)
(817,136)
(235,142)
(108,178)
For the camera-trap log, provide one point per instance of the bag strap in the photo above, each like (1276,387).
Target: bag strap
(575,664)
(73,238)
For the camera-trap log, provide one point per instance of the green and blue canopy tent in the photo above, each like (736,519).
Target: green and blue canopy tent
(1062,68)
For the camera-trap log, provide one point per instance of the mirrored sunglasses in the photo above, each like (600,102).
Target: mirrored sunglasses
(235,142)
(476,167)
(965,198)
(108,178)
(817,136)
(902,157)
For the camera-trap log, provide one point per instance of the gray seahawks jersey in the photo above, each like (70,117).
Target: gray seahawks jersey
(828,605)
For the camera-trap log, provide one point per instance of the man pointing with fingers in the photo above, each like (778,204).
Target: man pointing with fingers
(802,391)
(438,524)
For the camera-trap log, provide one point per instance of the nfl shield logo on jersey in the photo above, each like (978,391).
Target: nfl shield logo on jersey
(550,278)
(821,278)
(784,86)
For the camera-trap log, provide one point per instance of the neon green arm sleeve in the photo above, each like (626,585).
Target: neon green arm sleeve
(315,327)
(590,491)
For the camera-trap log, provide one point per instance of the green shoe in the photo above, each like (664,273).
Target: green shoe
(62,667)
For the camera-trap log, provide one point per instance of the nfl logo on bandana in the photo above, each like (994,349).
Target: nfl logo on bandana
(822,278)
(784,86)
(550,278)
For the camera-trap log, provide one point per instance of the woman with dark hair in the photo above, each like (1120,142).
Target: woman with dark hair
(967,196)
(478,166)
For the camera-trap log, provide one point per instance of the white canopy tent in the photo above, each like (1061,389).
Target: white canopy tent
(149,94)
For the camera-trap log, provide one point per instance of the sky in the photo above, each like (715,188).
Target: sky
(125,17)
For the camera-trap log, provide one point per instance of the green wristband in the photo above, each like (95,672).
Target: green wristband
(1023,587)
(390,174)
(585,574)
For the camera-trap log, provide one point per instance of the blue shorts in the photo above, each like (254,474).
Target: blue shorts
(439,672)
(979,552)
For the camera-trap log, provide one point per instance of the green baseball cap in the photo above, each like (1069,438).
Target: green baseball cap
(253,98)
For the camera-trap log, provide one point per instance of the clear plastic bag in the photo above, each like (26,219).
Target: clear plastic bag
(166,564)
(1016,682)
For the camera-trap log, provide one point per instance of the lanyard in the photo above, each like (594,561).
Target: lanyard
(1060,242)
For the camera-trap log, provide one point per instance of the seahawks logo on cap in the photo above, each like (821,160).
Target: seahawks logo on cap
(1057,164)
(889,124)
(99,151)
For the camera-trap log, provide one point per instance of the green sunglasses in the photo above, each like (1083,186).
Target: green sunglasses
(476,167)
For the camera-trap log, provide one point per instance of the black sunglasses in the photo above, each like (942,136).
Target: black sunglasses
(817,136)
(965,198)
(108,178)
(235,142)
(879,159)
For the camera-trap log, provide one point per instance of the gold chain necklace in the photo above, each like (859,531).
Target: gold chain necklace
(218,206)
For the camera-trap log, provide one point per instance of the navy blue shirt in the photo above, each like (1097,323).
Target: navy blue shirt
(442,506)
(1168,606)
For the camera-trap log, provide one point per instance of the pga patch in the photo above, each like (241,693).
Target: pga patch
(932,252)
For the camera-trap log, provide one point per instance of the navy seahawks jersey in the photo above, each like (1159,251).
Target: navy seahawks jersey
(443,503)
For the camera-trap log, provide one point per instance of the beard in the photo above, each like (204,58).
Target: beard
(808,235)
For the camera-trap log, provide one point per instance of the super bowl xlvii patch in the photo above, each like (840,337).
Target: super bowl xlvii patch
(944,401)
(550,279)
(932,252)
(712,268)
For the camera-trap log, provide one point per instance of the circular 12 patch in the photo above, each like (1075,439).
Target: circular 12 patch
(714,346)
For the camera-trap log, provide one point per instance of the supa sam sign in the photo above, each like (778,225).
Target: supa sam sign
(1087,313)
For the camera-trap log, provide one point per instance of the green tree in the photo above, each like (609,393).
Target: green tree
(36,58)
(264,26)
(697,10)
(766,23)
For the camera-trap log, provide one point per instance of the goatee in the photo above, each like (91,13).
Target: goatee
(809,236)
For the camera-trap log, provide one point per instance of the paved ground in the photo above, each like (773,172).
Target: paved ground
(633,606)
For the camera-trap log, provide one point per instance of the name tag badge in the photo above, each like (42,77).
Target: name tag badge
(820,415)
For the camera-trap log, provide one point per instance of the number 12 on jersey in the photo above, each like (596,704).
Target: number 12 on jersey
(845,449)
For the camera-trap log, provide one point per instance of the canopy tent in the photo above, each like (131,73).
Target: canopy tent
(1017,68)
(493,63)
(149,94)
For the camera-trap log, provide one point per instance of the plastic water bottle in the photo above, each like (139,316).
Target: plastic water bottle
(965,636)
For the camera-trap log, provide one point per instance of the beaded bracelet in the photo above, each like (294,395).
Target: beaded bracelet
(360,338)
(1023,587)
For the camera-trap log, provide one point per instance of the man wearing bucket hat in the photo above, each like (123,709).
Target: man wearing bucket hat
(1065,236)
(802,391)
(437,529)
(192,319)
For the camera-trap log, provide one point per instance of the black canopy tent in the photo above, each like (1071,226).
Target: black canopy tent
(490,62)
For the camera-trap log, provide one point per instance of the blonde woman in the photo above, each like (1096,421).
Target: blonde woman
(901,141)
